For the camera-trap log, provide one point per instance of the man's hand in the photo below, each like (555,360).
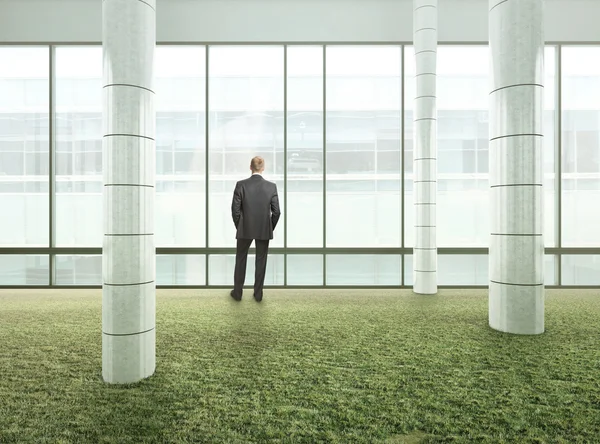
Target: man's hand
(275,211)
(236,205)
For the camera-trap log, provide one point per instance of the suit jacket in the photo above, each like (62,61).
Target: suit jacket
(255,208)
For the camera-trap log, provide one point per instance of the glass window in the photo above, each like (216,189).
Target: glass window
(24,146)
(463,269)
(305,269)
(21,269)
(180,147)
(581,146)
(363,269)
(78,270)
(455,269)
(550,271)
(581,270)
(463,156)
(470,269)
(78,153)
(304,209)
(550,148)
(462,103)
(246,120)
(363,146)
(221,268)
(181,269)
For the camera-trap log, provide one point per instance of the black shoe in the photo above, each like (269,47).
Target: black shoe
(237,298)
(257,298)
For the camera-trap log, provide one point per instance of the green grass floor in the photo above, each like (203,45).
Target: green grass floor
(304,366)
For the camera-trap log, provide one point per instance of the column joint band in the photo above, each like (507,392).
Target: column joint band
(128,285)
(516,135)
(517,185)
(496,5)
(128,85)
(129,135)
(515,86)
(517,285)
(129,334)
(424,6)
(516,234)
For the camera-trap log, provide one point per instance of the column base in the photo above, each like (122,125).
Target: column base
(128,359)
(516,309)
(424,283)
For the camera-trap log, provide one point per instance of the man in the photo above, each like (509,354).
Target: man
(255,212)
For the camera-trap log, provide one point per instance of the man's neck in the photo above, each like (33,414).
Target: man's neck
(260,174)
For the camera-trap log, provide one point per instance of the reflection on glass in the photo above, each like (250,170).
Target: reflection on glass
(463,155)
(78,270)
(550,272)
(181,269)
(581,146)
(550,184)
(21,269)
(462,102)
(246,120)
(221,267)
(78,148)
(305,146)
(180,146)
(363,269)
(24,146)
(581,270)
(363,146)
(470,269)
(305,269)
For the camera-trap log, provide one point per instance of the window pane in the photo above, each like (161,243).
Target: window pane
(78,270)
(24,136)
(78,153)
(363,146)
(550,149)
(581,146)
(246,120)
(305,146)
(463,193)
(470,269)
(463,269)
(305,269)
(20,269)
(221,268)
(182,269)
(180,146)
(383,269)
(550,272)
(463,156)
(581,270)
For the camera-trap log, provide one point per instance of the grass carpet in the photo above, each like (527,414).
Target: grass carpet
(304,366)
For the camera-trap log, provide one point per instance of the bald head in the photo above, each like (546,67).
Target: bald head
(257,164)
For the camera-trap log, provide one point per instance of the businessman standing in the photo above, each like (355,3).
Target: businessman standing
(255,212)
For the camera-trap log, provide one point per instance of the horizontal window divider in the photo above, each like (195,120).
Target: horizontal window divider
(293,43)
(51,287)
(281,287)
(201,250)
(91,251)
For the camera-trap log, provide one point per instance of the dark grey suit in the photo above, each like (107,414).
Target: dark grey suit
(255,212)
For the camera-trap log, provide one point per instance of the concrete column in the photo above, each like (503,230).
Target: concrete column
(516,298)
(128,292)
(425,148)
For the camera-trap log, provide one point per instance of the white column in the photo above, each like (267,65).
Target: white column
(128,292)
(516,298)
(425,148)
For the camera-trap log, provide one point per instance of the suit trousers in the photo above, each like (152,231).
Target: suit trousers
(241,258)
